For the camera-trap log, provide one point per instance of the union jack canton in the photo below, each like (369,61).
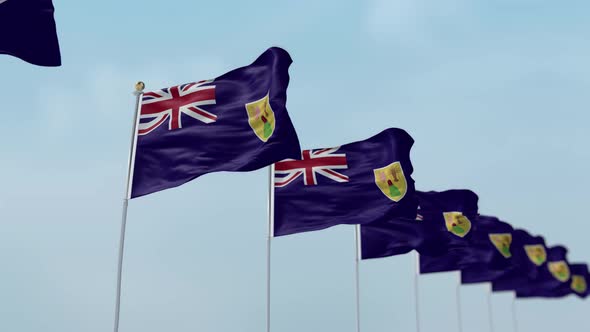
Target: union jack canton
(319,161)
(170,103)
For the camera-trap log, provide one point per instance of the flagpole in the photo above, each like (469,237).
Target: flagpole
(458,296)
(514,316)
(490,309)
(271,207)
(416,293)
(139,86)
(357,230)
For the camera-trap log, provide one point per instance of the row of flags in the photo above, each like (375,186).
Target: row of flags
(239,122)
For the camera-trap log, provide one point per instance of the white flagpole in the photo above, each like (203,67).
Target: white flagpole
(490,309)
(416,293)
(139,86)
(458,295)
(357,231)
(271,208)
(514,316)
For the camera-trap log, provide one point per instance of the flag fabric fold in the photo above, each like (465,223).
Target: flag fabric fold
(357,183)
(400,236)
(28,32)
(237,122)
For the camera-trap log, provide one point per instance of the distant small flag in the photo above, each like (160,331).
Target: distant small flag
(580,280)
(551,276)
(577,285)
(27,31)
(452,212)
(357,183)
(528,254)
(494,241)
(237,122)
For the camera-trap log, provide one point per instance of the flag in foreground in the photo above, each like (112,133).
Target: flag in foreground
(27,31)
(357,183)
(236,122)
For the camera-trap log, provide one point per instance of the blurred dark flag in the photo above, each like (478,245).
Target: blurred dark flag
(580,280)
(552,275)
(27,31)
(452,213)
(578,285)
(357,183)
(493,240)
(528,255)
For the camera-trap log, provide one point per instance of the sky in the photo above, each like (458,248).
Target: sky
(493,92)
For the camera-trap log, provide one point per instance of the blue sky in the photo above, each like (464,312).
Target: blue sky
(493,92)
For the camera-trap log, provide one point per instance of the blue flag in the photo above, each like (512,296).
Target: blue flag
(454,214)
(493,240)
(357,183)
(237,122)
(528,255)
(400,236)
(551,276)
(27,31)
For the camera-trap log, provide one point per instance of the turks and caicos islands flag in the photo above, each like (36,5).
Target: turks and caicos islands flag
(494,242)
(27,31)
(454,213)
(357,183)
(237,122)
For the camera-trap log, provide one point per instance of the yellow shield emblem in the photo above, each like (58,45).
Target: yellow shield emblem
(502,242)
(536,253)
(457,223)
(391,180)
(579,284)
(261,118)
(559,270)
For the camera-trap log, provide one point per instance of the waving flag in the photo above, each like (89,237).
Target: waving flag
(453,213)
(237,122)
(528,254)
(27,31)
(552,275)
(578,284)
(494,241)
(357,183)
